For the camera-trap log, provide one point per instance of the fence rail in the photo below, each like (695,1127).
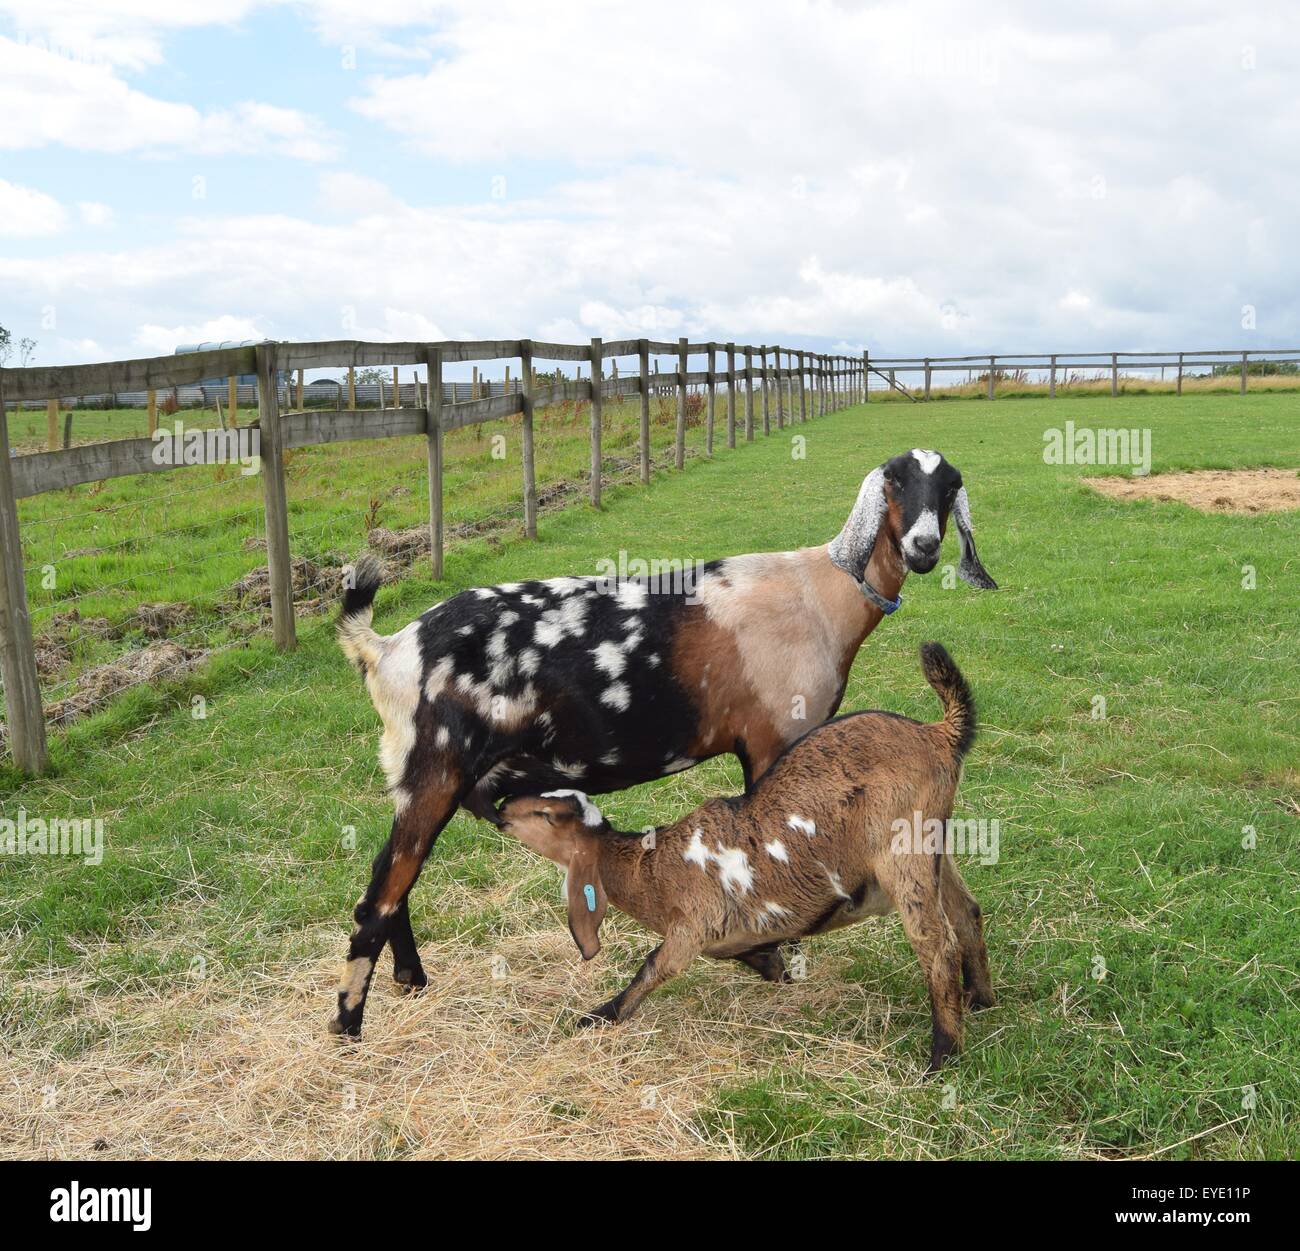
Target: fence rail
(794,382)
(1050,365)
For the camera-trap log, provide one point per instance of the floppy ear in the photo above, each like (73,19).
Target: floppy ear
(586,897)
(851,548)
(970,570)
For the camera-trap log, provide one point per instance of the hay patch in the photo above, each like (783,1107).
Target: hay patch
(1212,490)
(476,1066)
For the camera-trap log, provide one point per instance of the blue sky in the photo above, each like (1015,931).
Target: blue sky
(926,178)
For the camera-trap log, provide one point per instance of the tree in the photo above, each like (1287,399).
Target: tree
(25,348)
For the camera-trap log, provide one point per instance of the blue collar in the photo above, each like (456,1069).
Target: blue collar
(887,606)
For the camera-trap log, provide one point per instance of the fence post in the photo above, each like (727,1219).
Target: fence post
(232,400)
(1051,387)
(26,718)
(530,468)
(1180,374)
(52,424)
(643,435)
(271,448)
(352,387)
(763,383)
(597,381)
(710,394)
(151,412)
(803,393)
(679,456)
(992,367)
(433,453)
(749,394)
(302,383)
(1244,372)
(927,377)
(731,395)
(1114,374)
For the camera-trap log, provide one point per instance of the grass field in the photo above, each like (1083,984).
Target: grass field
(172,1001)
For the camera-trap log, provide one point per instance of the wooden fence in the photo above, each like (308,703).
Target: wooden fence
(922,368)
(793,382)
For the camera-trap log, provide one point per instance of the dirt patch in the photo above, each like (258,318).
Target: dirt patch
(315,586)
(101,683)
(1212,490)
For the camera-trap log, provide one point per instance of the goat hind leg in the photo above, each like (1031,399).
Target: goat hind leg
(767,962)
(961,909)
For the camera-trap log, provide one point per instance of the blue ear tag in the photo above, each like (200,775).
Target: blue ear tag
(589,893)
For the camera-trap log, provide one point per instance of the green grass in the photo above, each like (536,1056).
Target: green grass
(1121,838)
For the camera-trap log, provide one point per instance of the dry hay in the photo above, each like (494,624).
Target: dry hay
(475,1066)
(1212,490)
(143,664)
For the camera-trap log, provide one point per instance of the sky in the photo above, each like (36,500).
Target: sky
(927,178)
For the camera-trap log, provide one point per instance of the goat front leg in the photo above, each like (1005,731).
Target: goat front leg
(667,960)
(380,914)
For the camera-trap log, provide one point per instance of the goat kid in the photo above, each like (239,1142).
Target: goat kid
(608,683)
(815,845)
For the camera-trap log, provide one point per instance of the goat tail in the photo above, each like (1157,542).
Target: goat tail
(954,693)
(359,642)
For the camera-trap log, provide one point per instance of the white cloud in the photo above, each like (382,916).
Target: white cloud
(95,214)
(25,212)
(153,340)
(54,99)
(922,178)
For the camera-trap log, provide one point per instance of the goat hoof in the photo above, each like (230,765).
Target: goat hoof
(410,980)
(977,1003)
(345,1026)
(606,1014)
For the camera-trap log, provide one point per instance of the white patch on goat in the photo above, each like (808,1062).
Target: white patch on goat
(926,526)
(569,770)
(677,765)
(929,461)
(617,696)
(531,600)
(776,849)
(353,985)
(568,619)
(775,909)
(696,852)
(836,885)
(508,618)
(565,586)
(508,588)
(443,737)
(802,824)
(609,758)
(394,686)
(632,595)
(653,660)
(485,592)
(529,659)
(733,870)
(591,815)
(465,630)
(609,658)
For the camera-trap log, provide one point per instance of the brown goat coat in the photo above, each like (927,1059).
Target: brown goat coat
(809,849)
